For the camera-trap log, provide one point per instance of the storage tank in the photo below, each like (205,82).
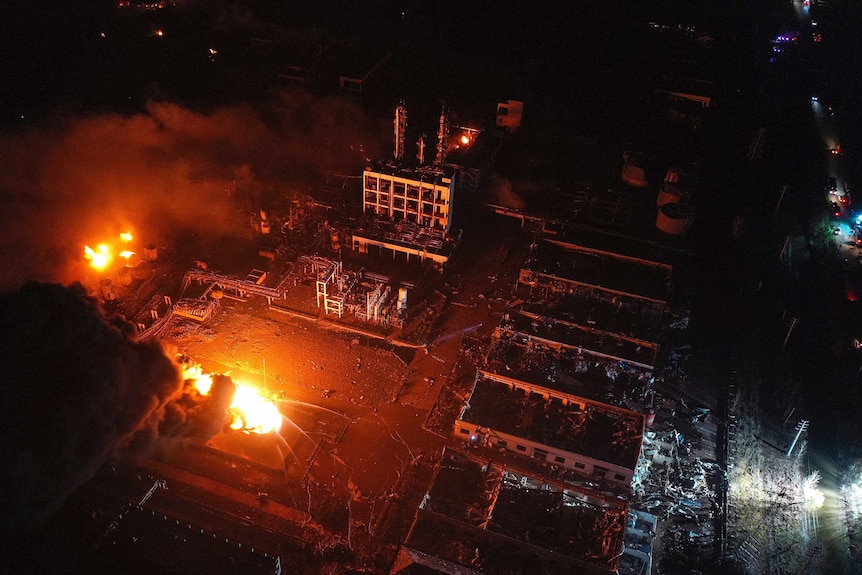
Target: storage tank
(649,418)
(151,253)
(634,175)
(124,276)
(670,193)
(674,219)
(107,289)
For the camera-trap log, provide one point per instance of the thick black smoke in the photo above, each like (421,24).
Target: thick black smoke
(76,389)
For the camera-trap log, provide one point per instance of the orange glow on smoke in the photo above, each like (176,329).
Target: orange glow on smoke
(250,412)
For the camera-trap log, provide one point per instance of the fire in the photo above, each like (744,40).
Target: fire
(251,412)
(100,257)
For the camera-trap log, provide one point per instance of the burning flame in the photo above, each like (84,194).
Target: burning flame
(251,412)
(100,257)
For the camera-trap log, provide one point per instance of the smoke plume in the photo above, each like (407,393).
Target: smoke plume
(162,170)
(76,390)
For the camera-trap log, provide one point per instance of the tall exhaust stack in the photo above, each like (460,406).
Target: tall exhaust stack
(420,147)
(442,137)
(400,128)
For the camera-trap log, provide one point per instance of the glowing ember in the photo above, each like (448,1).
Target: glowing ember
(251,412)
(126,236)
(100,257)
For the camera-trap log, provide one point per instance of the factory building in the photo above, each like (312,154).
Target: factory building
(482,517)
(593,439)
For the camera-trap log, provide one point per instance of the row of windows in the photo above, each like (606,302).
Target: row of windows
(409,205)
(401,189)
(438,223)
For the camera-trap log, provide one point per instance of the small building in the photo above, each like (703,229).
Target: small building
(509,114)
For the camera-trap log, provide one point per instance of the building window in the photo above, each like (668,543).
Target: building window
(559,459)
(413,205)
(619,477)
(371,184)
(413,192)
(579,465)
(398,203)
(463,431)
(399,188)
(520,448)
(385,186)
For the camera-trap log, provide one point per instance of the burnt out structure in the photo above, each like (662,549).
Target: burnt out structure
(608,306)
(481,517)
(589,437)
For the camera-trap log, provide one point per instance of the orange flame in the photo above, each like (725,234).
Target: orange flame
(126,236)
(251,412)
(100,257)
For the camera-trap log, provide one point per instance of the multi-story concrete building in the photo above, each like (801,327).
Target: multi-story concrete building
(423,195)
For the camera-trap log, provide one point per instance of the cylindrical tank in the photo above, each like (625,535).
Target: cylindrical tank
(124,276)
(634,175)
(402,297)
(650,417)
(151,253)
(107,288)
(674,219)
(670,193)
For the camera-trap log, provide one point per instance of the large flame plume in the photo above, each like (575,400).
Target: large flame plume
(250,411)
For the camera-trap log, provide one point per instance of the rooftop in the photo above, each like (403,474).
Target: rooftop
(408,235)
(598,431)
(628,316)
(432,174)
(600,270)
(564,370)
(589,340)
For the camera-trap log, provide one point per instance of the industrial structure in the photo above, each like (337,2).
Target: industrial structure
(482,517)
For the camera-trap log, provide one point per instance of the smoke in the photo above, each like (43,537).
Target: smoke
(501,191)
(160,171)
(76,390)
